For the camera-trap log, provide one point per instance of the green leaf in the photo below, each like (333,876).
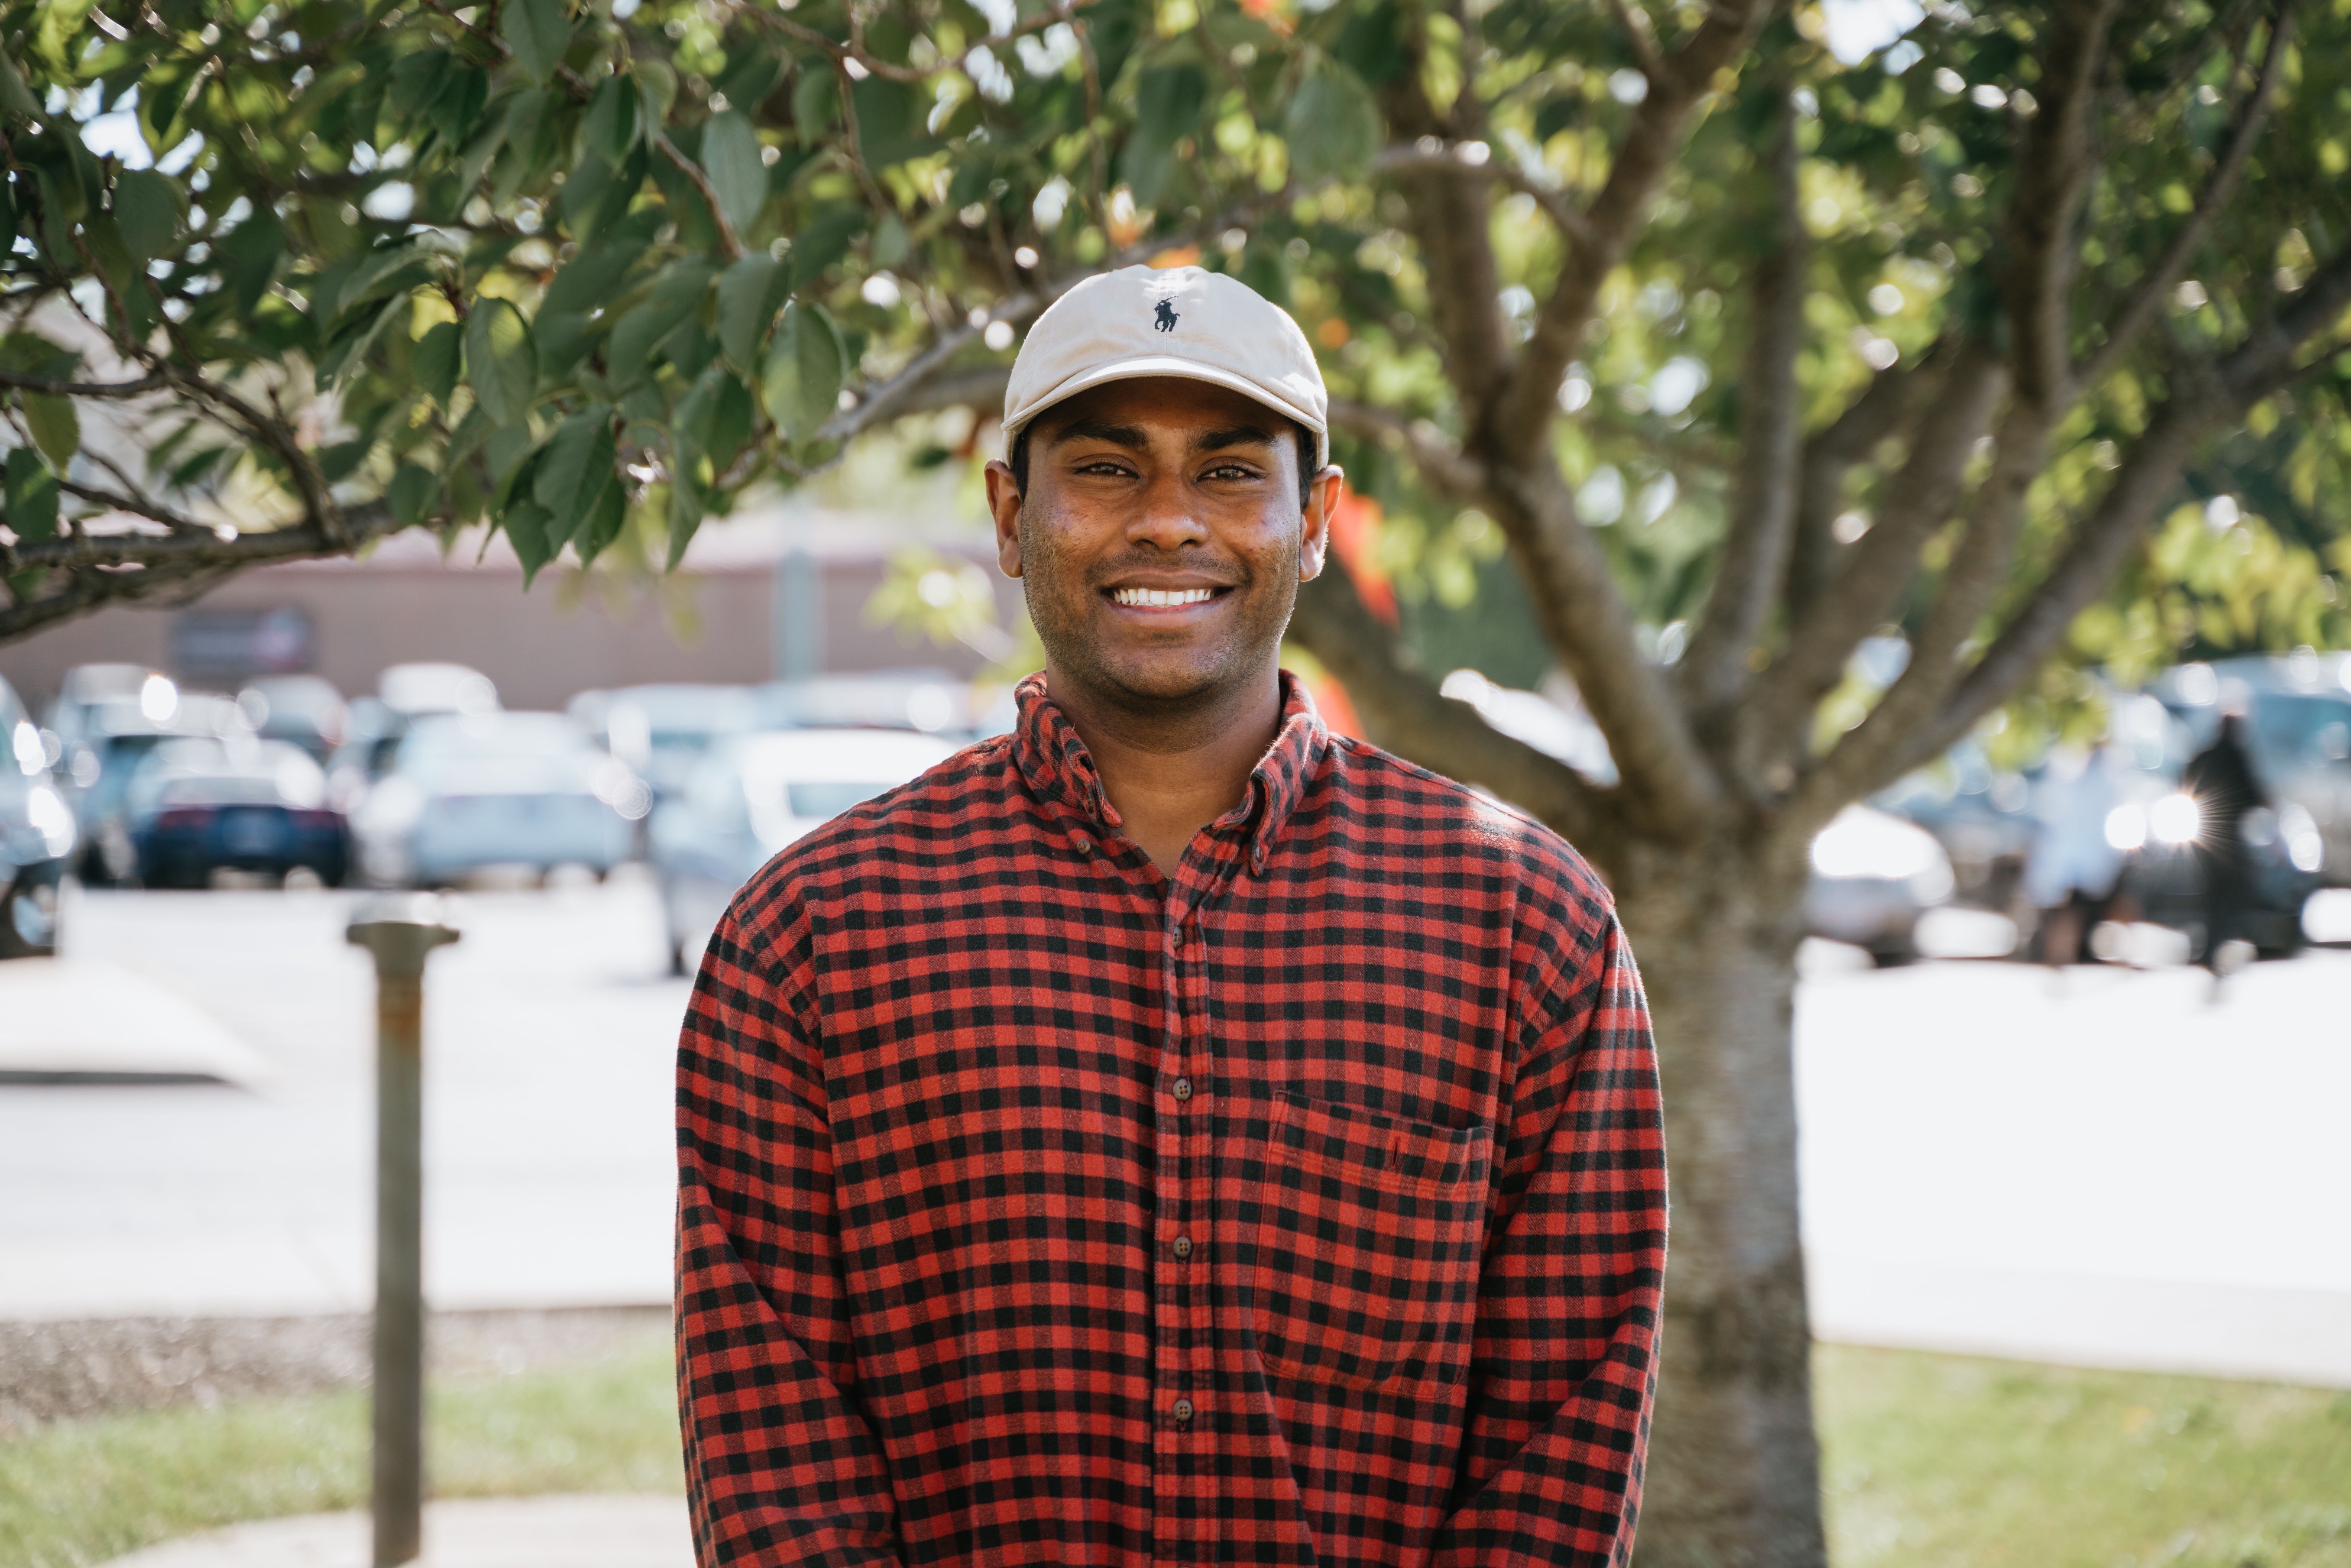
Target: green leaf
(1332,127)
(816,104)
(56,428)
(805,365)
(685,515)
(32,495)
(603,522)
(749,295)
(501,360)
(628,356)
(1168,101)
(411,492)
(527,525)
(611,128)
(15,98)
(823,240)
(537,32)
(573,468)
(146,210)
(435,361)
(248,256)
(730,152)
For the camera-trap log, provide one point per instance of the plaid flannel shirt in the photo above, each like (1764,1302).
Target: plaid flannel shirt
(1307,1206)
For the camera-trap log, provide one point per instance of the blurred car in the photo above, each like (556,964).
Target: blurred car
(37,836)
(466,792)
(303,709)
(929,701)
(114,736)
(414,690)
(373,726)
(1872,876)
(202,804)
(84,688)
(753,794)
(662,731)
(1983,816)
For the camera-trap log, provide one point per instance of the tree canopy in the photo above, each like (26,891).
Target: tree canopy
(2008,340)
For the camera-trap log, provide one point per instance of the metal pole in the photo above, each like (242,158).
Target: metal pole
(400,933)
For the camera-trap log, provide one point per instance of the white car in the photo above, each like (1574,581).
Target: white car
(753,794)
(465,792)
(1874,875)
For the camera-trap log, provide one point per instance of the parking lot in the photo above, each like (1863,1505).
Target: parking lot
(2102,1166)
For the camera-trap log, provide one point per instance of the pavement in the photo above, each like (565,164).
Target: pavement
(2102,1167)
(591,1531)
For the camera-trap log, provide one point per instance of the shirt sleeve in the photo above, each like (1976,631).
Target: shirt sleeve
(1564,1370)
(781,1466)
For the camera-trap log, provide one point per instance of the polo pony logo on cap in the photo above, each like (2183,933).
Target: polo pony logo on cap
(1165,321)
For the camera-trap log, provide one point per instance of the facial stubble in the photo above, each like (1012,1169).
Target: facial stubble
(1062,599)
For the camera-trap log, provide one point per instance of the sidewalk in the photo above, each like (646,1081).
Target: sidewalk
(466,1532)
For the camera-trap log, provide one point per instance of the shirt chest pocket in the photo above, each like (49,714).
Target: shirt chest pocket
(1368,1235)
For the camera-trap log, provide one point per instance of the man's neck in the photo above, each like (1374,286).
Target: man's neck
(1172,770)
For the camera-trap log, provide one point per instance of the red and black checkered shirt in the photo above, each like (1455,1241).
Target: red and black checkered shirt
(1307,1206)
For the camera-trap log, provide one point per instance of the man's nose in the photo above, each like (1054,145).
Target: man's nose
(1167,519)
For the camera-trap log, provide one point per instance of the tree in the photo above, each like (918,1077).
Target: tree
(1747,354)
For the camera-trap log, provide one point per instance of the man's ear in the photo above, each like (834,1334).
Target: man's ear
(1003,506)
(1314,527)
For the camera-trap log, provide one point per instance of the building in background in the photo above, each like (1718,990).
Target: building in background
(776,594)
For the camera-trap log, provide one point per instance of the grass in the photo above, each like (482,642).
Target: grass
(80,1493)
(1938,1461)
(1930,1461)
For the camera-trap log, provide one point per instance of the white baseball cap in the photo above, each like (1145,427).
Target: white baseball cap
(1168,321)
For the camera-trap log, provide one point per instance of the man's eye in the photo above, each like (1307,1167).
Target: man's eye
(1229,471)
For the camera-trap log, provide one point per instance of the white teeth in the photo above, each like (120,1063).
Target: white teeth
(1163,597)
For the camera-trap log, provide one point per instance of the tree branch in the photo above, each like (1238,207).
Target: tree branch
(2205,397)
(42,386)
(1755,547)
(1407,716)
(1890,405)
(1517,412)
(1671,786)
(2053,168)
(104,568)
(1446,159)
(730,241)
(1920,498)
(1448,469)
(2146,297)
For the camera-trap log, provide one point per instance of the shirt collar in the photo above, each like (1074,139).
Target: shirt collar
(1046,748)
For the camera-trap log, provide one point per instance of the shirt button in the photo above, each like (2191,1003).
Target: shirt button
(1183,1089)
(1183,1247)
(1084,845)
(1183,1411)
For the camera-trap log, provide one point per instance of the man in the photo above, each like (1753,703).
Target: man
(1171,1133)
(2227,790)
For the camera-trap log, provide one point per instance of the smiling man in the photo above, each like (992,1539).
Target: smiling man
(1170,1133)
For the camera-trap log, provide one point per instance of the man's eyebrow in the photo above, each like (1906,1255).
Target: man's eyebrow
(1239,435)
(1130,436)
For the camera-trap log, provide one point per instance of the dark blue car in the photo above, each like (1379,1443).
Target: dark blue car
(202,805)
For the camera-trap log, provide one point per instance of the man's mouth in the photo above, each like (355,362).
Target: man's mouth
(1161,597)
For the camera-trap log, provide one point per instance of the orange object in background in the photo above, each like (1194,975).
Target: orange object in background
(1354,540)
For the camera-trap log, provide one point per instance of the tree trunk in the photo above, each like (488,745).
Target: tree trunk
(1734,1469)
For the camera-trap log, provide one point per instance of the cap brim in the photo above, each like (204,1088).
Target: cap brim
(1186,370)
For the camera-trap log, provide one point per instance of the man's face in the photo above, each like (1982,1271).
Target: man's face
(1161,540)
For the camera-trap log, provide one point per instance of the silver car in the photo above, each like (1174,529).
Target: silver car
(467,792)
(754,794)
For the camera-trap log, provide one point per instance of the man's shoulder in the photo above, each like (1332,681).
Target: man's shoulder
(1407,809)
